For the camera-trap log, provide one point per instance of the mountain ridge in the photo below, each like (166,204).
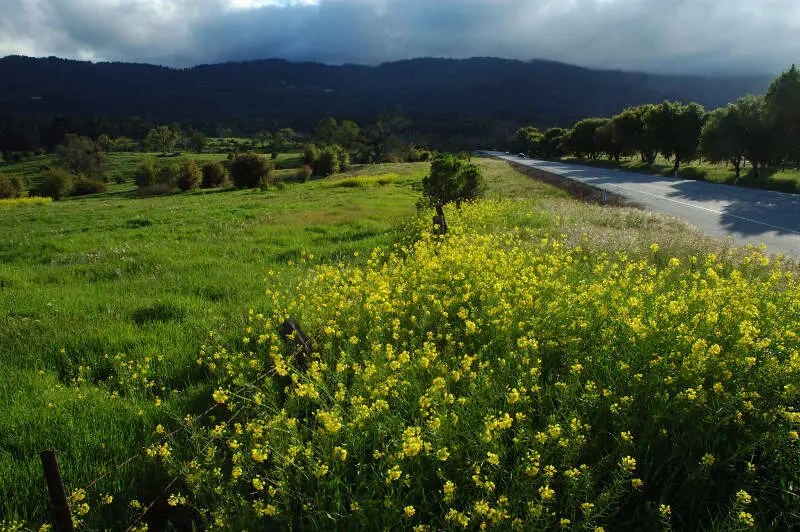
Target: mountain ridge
(269,92)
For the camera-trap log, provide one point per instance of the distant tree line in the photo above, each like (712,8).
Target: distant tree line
(391,135)
(761,130)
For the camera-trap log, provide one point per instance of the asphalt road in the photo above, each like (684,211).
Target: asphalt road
(748,216)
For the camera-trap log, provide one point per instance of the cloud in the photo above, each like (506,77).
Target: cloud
(691,36)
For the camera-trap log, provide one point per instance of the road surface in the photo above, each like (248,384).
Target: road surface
(748,216)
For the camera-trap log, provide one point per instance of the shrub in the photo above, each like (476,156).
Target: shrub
(57,183)
(328,162)
(311,154)
(304,173)
(452,179)
(10,186)
(214,175)
(250,170)
(85,186)
(16,202)
(146,173)
(168,174)
(344,158)
(189,175)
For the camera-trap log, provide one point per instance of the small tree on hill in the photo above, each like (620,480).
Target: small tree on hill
(451,180)
(250,170)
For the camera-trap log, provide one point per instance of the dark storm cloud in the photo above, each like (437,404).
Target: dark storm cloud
(713,36)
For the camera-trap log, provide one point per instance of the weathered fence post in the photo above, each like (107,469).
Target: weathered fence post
(439,223)
(55,488)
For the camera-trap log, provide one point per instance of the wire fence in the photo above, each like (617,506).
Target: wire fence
(290,331)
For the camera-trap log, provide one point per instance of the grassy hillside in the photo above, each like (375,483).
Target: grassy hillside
(108,300)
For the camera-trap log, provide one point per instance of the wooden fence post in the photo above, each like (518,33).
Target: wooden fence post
(439,223)
(55,488)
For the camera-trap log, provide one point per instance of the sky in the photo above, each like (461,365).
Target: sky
(714,37)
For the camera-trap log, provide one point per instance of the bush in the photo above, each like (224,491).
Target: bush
(10,186)
(311,154)
(189,175)
(452,179)
(328,162)
(146,173)
(344,158)
(304,173)
(86,186)
(168,174)
(250,170)
(214,175)
(57,183)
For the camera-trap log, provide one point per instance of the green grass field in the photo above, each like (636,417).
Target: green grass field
(784,180)
(88,277)
(85,280)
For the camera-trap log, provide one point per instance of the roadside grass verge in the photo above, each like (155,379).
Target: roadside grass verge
(779,179)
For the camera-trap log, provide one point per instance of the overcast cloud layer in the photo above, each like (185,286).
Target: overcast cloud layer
(670,36)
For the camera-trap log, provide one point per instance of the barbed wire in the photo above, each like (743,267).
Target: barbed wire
(304,345)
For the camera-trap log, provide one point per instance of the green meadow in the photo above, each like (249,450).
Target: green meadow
(106,298)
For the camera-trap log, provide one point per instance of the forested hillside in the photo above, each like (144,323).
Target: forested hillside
(490,96)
